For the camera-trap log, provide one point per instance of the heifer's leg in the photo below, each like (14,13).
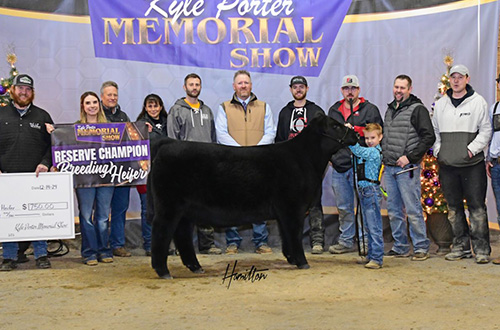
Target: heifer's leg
(291,223)
(292,227)
(183,239)
(164,225)
(296,243)
(296,228)
(285,243)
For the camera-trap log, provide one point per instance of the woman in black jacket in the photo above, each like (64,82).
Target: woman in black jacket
(155,116)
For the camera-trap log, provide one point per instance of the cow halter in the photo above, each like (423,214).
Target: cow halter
(342,140)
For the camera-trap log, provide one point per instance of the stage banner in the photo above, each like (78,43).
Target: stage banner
(107,154)
(273,36)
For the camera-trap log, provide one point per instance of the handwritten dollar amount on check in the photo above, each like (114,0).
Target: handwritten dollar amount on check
(40,206)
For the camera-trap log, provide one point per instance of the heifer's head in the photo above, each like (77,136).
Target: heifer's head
(336,132)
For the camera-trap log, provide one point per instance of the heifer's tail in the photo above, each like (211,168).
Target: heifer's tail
(149,200)
(154,147)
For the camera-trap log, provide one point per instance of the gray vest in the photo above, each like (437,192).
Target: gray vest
(400,137)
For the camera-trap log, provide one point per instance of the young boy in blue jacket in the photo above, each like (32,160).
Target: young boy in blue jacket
(368,163)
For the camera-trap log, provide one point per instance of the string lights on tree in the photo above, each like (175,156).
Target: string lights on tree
(433,200)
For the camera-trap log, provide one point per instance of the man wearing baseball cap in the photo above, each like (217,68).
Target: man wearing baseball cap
(24,147)
(463,129)
(356,112)
(293,118)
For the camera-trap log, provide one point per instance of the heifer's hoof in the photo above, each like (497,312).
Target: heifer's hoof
(199,271)
(196,269)
(304,266)
(164,274)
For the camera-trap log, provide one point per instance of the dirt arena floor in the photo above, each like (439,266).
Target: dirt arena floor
(335,293)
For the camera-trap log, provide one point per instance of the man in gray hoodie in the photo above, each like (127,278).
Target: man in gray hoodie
(190,119)
(463,130)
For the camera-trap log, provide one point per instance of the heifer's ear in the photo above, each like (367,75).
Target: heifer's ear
(319,114)
(319,121)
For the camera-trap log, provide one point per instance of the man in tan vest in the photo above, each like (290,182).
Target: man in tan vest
(245,121)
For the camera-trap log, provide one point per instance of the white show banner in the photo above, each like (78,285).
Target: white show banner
(34,208)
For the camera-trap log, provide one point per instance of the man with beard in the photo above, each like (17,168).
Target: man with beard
(121,195)
(245,121)
(408,135)
(355,112)
(293,118)
(24,147)
(463,130)
(190,119)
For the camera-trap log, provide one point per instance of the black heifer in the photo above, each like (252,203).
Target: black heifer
(225,186)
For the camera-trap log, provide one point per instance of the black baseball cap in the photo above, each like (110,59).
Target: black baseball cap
(23,80)
(298,80)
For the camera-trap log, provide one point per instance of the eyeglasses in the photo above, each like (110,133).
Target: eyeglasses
(350,88)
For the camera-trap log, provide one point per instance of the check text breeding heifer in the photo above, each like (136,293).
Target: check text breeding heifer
(222,186)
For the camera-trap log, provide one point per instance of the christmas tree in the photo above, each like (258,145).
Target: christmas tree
(432,198)
(5,83)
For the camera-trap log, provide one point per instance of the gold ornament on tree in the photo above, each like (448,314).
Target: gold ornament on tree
(6,83)
(444,84)
(448,60)
(11,59)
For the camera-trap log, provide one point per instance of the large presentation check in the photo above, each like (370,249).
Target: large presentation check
(34,208)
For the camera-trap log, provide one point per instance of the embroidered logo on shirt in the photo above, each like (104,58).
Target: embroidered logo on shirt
(464,114)
(35,125)
(298,122)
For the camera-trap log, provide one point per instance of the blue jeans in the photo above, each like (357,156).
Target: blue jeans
(119,207)
(495,184)
(145,226)
(10,249)
(343,191)
(370,198)
(95,229)
(467,183)
(403,193)
(260,235)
